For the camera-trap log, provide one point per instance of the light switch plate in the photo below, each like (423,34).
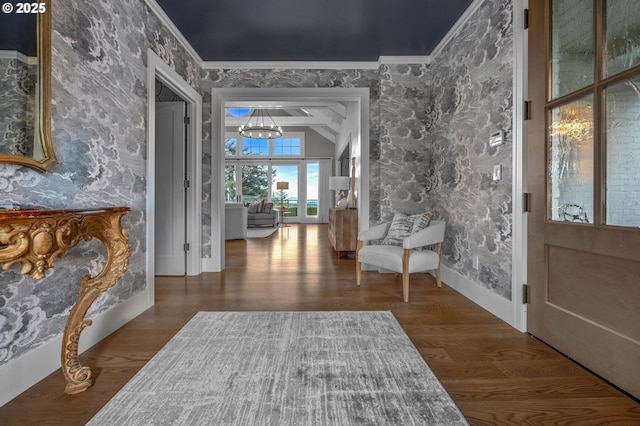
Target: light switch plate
(496,138)
(497,172)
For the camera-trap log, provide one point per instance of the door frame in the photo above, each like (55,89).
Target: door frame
(158,69)
(219,96)
(519,259)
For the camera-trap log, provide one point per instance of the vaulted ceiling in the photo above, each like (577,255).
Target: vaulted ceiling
(324,117)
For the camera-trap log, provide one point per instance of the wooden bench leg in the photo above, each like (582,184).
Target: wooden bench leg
(439,251)
(358,265)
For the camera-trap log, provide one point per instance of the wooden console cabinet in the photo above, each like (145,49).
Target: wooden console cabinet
(343,229)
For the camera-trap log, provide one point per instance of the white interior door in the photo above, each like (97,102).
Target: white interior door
(170,225)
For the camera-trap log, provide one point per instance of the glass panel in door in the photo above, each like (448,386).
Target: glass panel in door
(230,183)
(622,35)
(571,50)
(570,162)
(255,183)
(623,152)
(286,198)
(313,170)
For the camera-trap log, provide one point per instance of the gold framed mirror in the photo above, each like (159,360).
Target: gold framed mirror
(26,137)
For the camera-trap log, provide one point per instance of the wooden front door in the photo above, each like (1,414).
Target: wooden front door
(583,173)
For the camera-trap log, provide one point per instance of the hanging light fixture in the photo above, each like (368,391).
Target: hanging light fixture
(260,126)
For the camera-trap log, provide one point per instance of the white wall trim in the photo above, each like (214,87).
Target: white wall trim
(14,54)
(167,22)
(211,264)
(219,96)
(157,68)
(293,65)
(20,374)
(457,27)
(519,224)
(321,65)
(492,302)
(404,60)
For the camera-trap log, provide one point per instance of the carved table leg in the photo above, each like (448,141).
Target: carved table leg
(105,227)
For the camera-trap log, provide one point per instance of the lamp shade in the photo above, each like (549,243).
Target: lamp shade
(282,185)
(339,182)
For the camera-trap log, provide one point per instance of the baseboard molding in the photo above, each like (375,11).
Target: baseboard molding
(210,264)
(22,373)
(492,302)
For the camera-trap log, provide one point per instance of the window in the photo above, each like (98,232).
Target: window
(290,145)
(255,147)
(286,146)
(230,190)
(230,147)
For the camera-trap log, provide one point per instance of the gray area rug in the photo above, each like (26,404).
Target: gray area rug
(285,368)
(261,232)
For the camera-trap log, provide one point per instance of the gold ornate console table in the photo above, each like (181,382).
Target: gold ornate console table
(33,238)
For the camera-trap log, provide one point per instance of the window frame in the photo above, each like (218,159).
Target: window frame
(270,151)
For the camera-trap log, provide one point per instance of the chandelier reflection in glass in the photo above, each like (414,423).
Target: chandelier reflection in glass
(260,126)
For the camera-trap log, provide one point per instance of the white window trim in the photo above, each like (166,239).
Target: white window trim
(270,155)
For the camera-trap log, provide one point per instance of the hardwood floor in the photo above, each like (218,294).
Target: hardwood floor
(496,375)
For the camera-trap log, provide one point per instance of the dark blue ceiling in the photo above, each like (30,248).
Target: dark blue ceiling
(312,30)
(18,32)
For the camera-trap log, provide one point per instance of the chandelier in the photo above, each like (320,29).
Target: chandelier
(574,123)
(260,126)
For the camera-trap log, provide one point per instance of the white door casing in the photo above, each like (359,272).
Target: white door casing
(158,69)
(219,96)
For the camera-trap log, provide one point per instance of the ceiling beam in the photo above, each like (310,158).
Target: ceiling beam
(337,110)
(282,104)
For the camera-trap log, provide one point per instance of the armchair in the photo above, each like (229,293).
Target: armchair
(262,214)
(405,259)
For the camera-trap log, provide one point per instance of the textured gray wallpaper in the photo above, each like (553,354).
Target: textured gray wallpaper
(469,95)
(429,130)
(99,52)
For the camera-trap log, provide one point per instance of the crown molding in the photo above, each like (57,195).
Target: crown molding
(322,65)
(296,65)
(14,54)
(455,29)
(162,16)
(404,60)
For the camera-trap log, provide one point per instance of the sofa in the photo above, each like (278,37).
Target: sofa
(262,214)
(235,221)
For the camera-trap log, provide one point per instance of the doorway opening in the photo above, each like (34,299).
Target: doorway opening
(157,69)
(311,97)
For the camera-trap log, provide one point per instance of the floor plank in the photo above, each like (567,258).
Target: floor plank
(496,375)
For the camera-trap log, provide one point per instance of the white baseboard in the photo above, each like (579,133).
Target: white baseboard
(492,302)
(22,373)
(210,265)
